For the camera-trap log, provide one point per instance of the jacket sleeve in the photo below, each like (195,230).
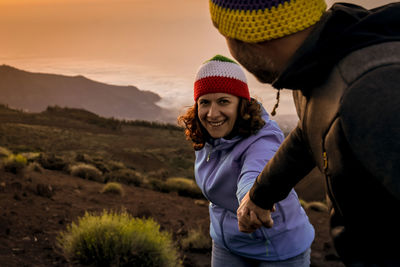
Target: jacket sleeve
(254,159)
(290,164)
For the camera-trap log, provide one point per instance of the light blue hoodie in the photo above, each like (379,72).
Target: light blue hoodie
(225,170)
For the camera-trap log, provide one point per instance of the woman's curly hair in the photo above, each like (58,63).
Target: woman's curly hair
(248,122)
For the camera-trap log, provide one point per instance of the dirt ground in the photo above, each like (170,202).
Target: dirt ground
(35,207)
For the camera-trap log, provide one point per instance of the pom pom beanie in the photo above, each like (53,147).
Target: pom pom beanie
(254,21)
(221,75)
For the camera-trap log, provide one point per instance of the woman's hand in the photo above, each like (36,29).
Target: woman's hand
(251,217)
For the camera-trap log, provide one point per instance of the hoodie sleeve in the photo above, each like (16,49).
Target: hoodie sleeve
(288,166)
(254,159)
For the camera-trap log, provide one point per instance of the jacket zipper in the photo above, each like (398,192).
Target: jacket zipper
(208,156)
(328,181)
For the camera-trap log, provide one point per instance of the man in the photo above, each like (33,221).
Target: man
(343,65)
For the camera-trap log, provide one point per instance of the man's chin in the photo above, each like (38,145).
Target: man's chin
(265,77)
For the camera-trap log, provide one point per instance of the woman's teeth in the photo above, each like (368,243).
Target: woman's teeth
(216,124)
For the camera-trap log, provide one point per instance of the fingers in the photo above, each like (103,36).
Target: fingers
(248,222)
(266,219)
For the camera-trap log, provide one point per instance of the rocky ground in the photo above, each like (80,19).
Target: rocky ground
(35,207)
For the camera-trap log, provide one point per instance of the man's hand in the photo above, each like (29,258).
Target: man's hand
(251,217)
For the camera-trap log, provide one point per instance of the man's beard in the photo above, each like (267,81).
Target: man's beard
(260,66)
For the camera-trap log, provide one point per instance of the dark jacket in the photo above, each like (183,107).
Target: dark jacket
(346,86)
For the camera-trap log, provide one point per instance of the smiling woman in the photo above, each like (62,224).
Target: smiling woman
(233,139)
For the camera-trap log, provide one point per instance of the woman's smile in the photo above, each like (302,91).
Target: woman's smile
(216,123)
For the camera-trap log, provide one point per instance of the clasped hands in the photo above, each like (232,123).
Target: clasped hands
(251,217)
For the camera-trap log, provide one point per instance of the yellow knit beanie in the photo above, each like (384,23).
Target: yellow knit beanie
(255,21)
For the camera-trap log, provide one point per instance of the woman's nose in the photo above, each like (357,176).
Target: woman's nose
(213,111)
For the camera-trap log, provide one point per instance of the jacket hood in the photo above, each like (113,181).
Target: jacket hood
(343,29)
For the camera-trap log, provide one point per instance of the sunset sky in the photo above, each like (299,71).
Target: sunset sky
(153,44)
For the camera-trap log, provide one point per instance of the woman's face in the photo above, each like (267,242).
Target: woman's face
(217,113)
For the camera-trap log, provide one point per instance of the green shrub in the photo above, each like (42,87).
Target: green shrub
(125,176)
(196,240)
(87,171)
(113,188)
(184,187)
(15,163)
(113,239)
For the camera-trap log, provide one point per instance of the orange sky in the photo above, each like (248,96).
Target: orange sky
(169,38)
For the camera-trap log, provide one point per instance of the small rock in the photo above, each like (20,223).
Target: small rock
(44,190)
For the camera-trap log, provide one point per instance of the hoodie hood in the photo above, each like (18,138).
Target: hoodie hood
(343,29)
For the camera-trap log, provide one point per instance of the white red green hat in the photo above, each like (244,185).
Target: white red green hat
(221,75)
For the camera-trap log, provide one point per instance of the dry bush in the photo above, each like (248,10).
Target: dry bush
(113,239)
(125,176)
(4,152)
(35,167)
(51,161)
(113,188)
(87,171)
(184,187)
(196,240)
(115,165)
(15,163)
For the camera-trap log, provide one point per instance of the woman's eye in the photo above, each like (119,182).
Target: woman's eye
(224,101)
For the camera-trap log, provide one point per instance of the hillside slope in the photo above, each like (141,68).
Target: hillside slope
(35,91)
(36,205)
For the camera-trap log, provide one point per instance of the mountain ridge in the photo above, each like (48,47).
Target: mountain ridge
(34,92)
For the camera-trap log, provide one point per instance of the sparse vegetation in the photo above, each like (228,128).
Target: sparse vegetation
(87,171)
(52,161)
(65,136)
(4,152)
(113,239)
(34,167)
(125,176)
(196,239)
(15,163)
(184,187)
(113,188)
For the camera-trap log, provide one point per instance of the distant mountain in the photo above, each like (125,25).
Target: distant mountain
(33,92)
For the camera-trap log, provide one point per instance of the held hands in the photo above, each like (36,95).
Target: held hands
(251,217)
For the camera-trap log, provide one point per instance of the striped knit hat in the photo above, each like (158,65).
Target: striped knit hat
(221,75)
(254,21)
